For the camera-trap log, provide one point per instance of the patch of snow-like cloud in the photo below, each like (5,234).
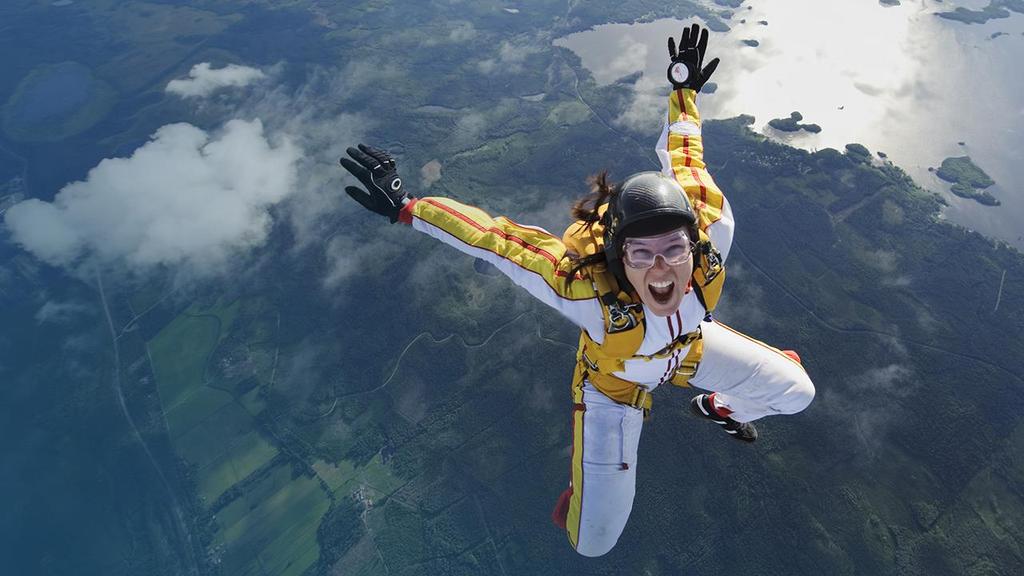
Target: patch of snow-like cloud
(645,112)
(469,130)
(554,216)
(349,256)
(743,303)
(629,58)
(302,369)
(187,199)
(868,404)
(204,80)
(322,128)
(430,173)
(462,31)
(872,403)
(887,262)
(53,312)
(509,60)
(884,379)
(452,32)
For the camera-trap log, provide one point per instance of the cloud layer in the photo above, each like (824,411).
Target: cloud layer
(185,198)
(203,80)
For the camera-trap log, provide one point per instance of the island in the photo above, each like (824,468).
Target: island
(792,124)
(858,152)
(995,9)
(968,180)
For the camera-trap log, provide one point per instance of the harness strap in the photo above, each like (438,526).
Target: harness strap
(688,367)
(632,394)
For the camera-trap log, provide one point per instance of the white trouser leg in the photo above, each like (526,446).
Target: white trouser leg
(611,433)
(749,377)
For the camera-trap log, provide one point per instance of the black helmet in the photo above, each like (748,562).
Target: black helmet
(647,204)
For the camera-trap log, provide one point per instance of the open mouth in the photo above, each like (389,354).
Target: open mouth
(661,291)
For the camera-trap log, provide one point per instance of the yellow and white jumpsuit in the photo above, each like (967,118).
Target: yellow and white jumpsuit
(751,379)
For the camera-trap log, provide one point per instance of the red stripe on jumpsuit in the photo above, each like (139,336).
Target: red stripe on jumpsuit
(544,253)
(547,255)
(671,337)
(703,187)
(682,104)
(673,362)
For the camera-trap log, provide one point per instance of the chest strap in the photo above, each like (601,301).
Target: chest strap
(630,393)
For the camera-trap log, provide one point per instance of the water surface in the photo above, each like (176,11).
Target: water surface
(899,80)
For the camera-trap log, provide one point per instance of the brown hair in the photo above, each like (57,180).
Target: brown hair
(585,209)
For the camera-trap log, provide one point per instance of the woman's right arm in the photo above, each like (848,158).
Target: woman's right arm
(681,147)
(529,256)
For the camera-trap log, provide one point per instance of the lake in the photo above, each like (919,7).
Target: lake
(899,80)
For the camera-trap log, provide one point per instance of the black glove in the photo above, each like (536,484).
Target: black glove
(376,170)
(685,70)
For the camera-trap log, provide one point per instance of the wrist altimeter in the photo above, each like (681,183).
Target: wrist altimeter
(679,72)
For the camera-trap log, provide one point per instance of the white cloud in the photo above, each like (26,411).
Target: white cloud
(314,120)
(462,31)
(893,380)
(469,128)
(60,312)
(743,303)
(185,198)
(350,256)
(510,59)
(646,110)
(430,173)
(203,80)
(191,201)
(887,262)
(869,404)
(629,59)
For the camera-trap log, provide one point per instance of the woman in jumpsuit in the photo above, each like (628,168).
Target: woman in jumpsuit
(654,222)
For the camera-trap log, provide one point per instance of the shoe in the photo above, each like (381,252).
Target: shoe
(701,406)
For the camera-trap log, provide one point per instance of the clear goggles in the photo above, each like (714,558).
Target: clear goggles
(675,248)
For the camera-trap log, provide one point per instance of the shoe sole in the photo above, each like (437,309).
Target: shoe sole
(697,407)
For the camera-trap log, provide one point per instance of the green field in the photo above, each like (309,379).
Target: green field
(345,478)
(269,522)
(212,430)
(272,529)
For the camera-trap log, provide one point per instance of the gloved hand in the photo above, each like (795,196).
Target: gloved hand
(685,70)
(377,171)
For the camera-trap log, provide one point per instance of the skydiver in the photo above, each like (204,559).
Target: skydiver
(640,273)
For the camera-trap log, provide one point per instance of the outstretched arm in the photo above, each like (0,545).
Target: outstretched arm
(530,256)
(681,148)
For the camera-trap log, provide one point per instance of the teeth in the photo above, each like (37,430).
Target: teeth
(664,284)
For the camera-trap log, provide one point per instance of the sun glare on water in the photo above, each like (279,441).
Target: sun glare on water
(899,80)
